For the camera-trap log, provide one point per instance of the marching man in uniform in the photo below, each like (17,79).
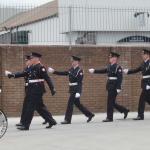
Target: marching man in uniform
(145,83)
(75,74)
(36,76)
(114,72)
(26,98)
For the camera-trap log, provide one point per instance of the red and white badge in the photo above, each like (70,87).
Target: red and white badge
(120,70)
(81,73)
(43,69)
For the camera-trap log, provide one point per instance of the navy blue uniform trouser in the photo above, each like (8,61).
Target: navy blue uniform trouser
(25,106)
(36,103)
(111,104)
(144,97)
(72,100)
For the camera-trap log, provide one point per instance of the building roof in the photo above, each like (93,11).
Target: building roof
(32,15)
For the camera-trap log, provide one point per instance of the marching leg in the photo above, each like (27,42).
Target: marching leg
(69,110)
(84,110)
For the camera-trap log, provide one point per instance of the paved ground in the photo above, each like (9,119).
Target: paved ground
(96,135)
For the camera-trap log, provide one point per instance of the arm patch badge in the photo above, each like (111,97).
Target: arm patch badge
(120,70)
(43,69)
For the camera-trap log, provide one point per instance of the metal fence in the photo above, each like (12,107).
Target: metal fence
(70,25)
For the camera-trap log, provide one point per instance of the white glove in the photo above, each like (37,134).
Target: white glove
(91,70)
(126,71)
(50,70)
(77,95)
(0,90)
(147,87)
(7,72)
(118,90)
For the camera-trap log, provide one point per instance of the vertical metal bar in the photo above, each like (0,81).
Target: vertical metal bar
(145,19)
(16,35)
(103,12)
(98,25)
(129,27)
(122,21)
(84,19)
(145,16)
(94,24)
(66,27)
(70,25)
(125,20)
(58,30)
(50,25)
(80,25)
(105,31)
(135,24)
(61,10)
(116,24)
(120,10)
(109,22)
(147,24)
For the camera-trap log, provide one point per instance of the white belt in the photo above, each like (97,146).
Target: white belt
(144,77)
(112,78)
(26,84)
(36,80)
(72,84)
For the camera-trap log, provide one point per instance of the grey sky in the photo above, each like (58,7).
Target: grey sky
(24,1)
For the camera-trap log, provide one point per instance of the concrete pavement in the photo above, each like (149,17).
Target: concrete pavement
(80,135)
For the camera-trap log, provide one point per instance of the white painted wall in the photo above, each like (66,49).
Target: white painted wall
(92,15)
(122,3)
(45,32)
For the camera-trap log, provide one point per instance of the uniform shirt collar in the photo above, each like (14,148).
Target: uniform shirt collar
(113,63)
(36,63)
(75,67)
(29,66)
(146,60)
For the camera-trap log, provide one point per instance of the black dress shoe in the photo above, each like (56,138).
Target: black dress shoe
(138,118)
(45,122)
(90,118)
(23,128)
(126,113)
(107,120)
(50,125)
(19,124)
(66,122)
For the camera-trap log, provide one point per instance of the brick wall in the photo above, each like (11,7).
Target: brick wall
(94,95)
